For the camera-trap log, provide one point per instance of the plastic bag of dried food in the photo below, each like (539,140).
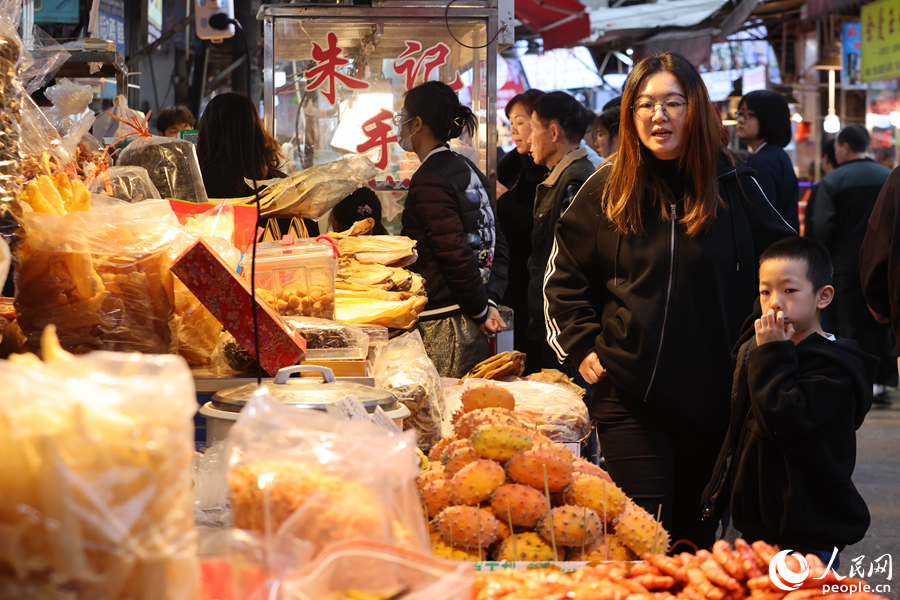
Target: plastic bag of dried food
(131,184)
(306,480)
(96,480)
(10,116)
(172,165)
(361,569)
(403,368)
(102,276)
(325,334)
(40,136)
(313,192)
(556,411)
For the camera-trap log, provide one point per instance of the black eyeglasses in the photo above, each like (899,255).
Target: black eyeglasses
(742,115)
(646,109)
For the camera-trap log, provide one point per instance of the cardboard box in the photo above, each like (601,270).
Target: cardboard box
(227,297)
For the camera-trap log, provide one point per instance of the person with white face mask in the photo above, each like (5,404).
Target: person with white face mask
(462,254)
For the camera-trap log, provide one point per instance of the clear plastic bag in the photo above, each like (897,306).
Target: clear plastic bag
(96,500)
(210,489)
(556,411)
(383,570)
(11,51)
(313,192)
(106,127)
(102,277)
(44,58)
(131,184)
(403,368)
(39,135)
(305,480)
(172,165)
(69,98)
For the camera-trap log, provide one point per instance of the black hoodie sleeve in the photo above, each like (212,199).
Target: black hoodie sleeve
(789,402)
(437,210)
(572,324)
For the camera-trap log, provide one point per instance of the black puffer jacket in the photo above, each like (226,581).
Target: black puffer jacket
(663,309)
(790,451)
(462,253)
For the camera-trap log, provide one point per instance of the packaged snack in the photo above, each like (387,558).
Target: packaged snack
(10,116)
(305,480)
(102,276)
(131,184)
(96,500)
(403,368)
(172,165)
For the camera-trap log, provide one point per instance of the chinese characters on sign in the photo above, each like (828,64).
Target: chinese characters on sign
(881,40)
(326,70)
(378,131)
(408,66)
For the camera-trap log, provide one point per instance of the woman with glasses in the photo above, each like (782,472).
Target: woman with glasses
(764,123)
(462,253)
(652,274)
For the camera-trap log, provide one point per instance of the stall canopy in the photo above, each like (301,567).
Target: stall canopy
(561,23)
(688,26)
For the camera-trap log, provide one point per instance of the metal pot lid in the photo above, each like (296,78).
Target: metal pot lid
(307,392)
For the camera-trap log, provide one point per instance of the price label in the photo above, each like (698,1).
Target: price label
(348,407)
(380,418)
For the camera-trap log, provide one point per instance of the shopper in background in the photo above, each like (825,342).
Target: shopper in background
(879,260)
(362,204)
(515,216)
(587,138)
(844,203)
(172,121)
(828,164)
(606,131)
(557,126)
(764,123)
(462,254)
(650,278)
(232,145)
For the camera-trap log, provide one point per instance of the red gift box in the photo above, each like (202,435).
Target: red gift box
(227,297)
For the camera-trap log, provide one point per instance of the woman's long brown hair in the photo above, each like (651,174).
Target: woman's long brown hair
(631,178)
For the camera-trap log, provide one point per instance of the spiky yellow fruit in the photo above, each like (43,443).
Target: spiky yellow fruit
(487,396)
(433,473)
(572,526)
(521,503)
(528,468)
(439,548)
(437,451)
(588,468)
(524,546)
(618,552)
(457,455)
(604,497)
(467,527)
(468,422)
(559,451)
(499,442)
(640,531)
(476,481)
(436,496)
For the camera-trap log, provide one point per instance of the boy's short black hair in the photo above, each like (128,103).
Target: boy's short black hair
(819,269)
(855,136)
(171,116)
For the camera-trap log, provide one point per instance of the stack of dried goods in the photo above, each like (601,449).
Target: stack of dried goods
(499,487)
(725,573)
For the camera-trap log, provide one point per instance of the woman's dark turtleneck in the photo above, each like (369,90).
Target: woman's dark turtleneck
(670,174)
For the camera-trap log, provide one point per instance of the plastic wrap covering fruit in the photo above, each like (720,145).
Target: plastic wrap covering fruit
(96,481)
(101,276)
(403,368)
(313,192)
(306,480)
(557,411)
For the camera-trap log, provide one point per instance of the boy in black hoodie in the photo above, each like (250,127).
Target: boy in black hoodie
(799,395)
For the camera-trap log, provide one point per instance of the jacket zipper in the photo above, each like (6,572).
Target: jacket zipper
(662,335)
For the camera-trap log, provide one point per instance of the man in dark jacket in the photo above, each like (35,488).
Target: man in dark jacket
(844,203)
(557,126)
(798,397)
(879,258)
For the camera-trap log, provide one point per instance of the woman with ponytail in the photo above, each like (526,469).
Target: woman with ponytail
(462,253)
(651,276)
